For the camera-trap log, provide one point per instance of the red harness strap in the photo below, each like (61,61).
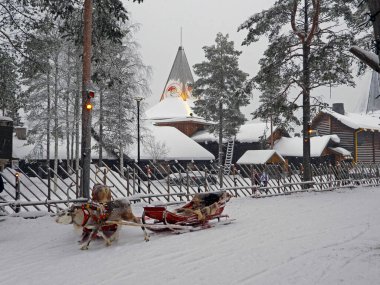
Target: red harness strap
(86,215)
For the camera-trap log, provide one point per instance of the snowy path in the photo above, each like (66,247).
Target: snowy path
(306,238)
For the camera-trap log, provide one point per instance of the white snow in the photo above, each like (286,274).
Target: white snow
(23,150)
(248,133)
(342,151)
(258,156)
(7,119)
(171,107)
(294,146)
(305,238)
(177,145)
(357,121)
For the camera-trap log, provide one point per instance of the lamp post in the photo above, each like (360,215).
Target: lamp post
(138,100)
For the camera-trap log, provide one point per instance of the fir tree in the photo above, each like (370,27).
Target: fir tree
(308,48)
(220,89)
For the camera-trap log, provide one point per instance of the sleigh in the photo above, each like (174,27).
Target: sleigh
(195,214)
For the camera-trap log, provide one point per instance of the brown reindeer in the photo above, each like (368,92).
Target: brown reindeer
(101,193)
(100,220)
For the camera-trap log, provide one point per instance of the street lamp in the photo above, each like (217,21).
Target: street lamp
(138,100)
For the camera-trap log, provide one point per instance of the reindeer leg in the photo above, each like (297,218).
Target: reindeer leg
(108,241)
(146,235)
(93,234)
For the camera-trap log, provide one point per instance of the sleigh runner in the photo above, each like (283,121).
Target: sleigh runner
(195,214)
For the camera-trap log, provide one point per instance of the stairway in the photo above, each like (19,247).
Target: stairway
(229,155)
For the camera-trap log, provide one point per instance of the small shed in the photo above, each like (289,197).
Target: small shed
(261,157)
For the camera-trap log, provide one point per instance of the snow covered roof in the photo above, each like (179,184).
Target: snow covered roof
(171,107)
(7,119)
(259,156)
(294,146)
(169,144)
(248,133)
(22,150)
(4,118)
(357,121)
(344,152)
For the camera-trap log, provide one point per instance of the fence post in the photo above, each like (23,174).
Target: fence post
(168,185)
(17,196)
(134,181)
(49,185)
(105,176)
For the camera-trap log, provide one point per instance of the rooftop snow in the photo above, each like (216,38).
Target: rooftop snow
(171,107)
(357,121)
(8,119)
(22,150)
(258,156)
(341,150)
(294,146)
(177,146)
(248,133)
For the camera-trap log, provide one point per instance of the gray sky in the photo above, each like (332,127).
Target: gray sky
(201,20)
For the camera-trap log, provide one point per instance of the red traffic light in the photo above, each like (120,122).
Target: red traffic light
(90,94)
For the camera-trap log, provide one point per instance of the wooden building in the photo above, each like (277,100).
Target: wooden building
(358,133)
(322,149)
(252,136)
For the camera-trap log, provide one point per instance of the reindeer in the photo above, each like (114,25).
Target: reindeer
(99,220)
(101,193)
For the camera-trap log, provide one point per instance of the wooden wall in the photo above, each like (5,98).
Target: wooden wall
(188,128)
(368,142)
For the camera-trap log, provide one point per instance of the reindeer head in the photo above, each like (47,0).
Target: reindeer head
(70,215)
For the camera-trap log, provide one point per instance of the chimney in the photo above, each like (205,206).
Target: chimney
(338,107)
(20,133)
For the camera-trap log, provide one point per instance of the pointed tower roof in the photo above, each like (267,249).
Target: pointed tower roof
(374,94)
(180,80)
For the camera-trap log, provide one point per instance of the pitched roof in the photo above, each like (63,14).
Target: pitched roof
(248,133)
(259,156)
(171,107)
(175,146)
(357,121)
(294,146)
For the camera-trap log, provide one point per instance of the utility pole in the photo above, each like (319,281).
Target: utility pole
(86,113)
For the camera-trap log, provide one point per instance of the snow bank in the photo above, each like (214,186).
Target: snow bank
(306,238)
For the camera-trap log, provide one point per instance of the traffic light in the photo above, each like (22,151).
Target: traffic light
(90,95)
(89,106)
(309,130)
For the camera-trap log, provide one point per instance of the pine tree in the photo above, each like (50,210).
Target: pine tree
(221,90)
(120,76)
(10,94)
(308,48)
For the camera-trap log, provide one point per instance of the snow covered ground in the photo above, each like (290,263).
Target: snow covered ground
(304,238)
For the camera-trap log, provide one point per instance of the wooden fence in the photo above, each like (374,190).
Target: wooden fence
(46,190)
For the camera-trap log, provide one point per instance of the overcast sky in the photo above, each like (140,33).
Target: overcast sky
(201,20)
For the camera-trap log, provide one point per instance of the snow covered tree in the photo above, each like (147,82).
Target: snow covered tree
(120,76)
(10,93)
(221,90)
(308,48)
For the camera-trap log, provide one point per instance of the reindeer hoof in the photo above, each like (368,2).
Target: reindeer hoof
(147,238)
(84,247)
